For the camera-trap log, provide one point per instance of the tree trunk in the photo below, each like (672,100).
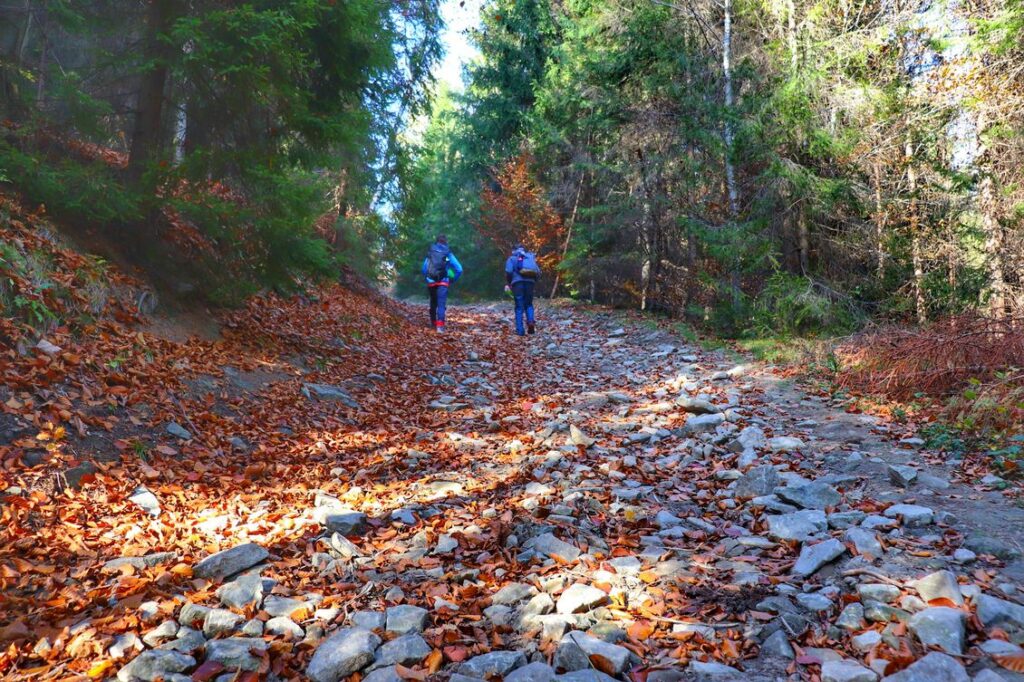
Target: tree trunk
(993,248)
(804,240)
(730,172)
(879,223)
(568,233)
(915,236)
(146,137)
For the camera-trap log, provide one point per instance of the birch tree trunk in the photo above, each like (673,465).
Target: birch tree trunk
(915,236)
(879,222)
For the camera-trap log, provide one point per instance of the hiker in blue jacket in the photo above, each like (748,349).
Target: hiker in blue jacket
(521,273)
(440,268)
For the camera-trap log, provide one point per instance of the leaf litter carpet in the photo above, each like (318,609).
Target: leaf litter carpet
(333,491)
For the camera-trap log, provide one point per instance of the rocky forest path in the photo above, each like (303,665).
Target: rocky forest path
(601,500)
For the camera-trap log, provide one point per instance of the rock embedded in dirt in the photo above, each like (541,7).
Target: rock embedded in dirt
(577,651)
(902,475)
(178,431)
(368,620)
(851,618)
(785,444)
(550,546)
(284,627)
(219,621)
(230,561)
(798,525)
(815,495)
(846,671)
(577,437)
(711,670)
(406,650)
(880,592)
(912,515)
(276,605)
(237,653)
(703,423)
(343,653)
(145,500)
(155,664)
(243,591)
(813,557)
(584,676)
(761,480)
(513,593)
(696,405)
(579,598)
(985,544)
(329,392)
(940,626)
(532,672)
(935,667)
(993,611)
(406,618)
(140,562)
(777,646)
(939,585)
(345,522)
(844,520)
(493,664)
(166,630)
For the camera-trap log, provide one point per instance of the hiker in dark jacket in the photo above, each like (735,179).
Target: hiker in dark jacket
(521,273)
(440,268)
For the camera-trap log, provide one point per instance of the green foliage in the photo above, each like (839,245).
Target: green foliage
(794,305)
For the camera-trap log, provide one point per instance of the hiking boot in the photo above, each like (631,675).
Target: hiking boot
(440,329)
(531,328)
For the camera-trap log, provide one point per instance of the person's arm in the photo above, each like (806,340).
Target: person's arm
(508,273)
(456,266)
(424,268)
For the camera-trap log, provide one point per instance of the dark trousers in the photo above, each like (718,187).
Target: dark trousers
(438,304)
(522,292)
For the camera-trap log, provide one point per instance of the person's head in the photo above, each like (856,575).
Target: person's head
(441,239)
(519,247)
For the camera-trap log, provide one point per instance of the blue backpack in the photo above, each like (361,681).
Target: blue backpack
(527,267)
(437,262)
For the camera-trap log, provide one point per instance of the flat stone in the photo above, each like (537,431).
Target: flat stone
(368,620)
(813,557)
(583,676)
(797,526)
(993,611)
(711,670)
(533,672)
(902,475)
(939,585)
(579,598)
(866,641)
(235,653)
(880,592)
(577,651)
(874,522)
(984,544)
(577,437)
(230,561)
(695,405)
(813,601)
(178,431)
(219,621)
(513,593)
(785,444)
(848,519)
(346,523)
(627,565)
(124,645)
(777,646)
(276,605)
(243,591)
(145,500)
(343,653)
(386,674)
(329,392)
(155,664)
(703,423)
(912,515)
(864,541)
(935,667)
(550,546)
(940,626)
(846,671)
(166,630)
(759,481)
(495,663)
(814,495)
(140,562)
(283,626)
(192,615)
(406,650)
(851,618)
(406,618)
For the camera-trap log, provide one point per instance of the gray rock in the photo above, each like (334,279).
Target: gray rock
(585,676)
(576,650)
(579,598)
(540,605)
(283,606)
(815,495)
(187,641)
(988,675)
(124,644)
(940,626)
(703,423)
(218,621)
(798,525)
(155,664)
(761,480)
(851,618)
(236,653)
(192,615)
(712,670)
(993,611)
(627,565)
(166,630)
(230,561)
(368,620)
(178,431)
(912,515)
(387,674)
(549,546)
(964,556)
(242,591)
(984,544)
(902,475)
(864,541)
(140,562)
(939,585)
(777,646)
(252,628)
(577,437)
(843,520)
(785,444)
(405,650)
(880,592)
(513,593)
(813,601)
(328,392)
(346,522)
(283,626)
(493,664)
(866,641)
(343,653)
(846,671)
(145,500)
(405,618)
(934,667)
(533,672)
(695,405)
(813,557)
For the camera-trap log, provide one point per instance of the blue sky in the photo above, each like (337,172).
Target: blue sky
(459,16)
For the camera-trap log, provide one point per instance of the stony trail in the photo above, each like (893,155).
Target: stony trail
(613,502)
